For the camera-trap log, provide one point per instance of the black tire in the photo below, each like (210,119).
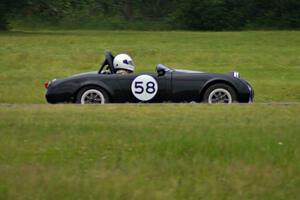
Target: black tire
(219,93)
(92,95)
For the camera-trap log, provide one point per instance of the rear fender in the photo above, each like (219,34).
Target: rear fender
(99,84)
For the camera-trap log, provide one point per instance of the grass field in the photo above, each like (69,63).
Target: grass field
(152,152)
(161,151)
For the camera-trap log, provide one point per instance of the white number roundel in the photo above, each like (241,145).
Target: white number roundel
(144,87)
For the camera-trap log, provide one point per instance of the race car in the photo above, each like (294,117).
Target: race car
(164,85)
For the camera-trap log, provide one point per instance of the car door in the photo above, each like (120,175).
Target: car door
(144,87)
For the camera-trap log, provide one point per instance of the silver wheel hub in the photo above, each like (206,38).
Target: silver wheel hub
(92,96)
(219,95)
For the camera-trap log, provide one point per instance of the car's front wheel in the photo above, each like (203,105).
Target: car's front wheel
(92,95)
(219,93)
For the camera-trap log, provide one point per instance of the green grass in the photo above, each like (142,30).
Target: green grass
(142,151)
(149,152)
(269,60)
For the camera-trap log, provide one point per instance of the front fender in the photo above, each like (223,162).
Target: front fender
(238,85)
(212,81)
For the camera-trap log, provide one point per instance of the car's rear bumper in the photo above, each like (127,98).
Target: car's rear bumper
(54,98)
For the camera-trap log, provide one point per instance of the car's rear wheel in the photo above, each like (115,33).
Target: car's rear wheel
(92,95)
(220,93)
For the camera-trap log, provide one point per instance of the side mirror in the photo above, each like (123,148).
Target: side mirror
(161,72)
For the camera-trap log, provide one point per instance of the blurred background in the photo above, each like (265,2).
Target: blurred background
(216,15)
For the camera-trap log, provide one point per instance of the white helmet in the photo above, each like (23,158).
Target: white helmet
(123,61)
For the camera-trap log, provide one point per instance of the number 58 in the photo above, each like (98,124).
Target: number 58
(139,87)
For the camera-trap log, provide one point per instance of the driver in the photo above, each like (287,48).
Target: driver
(123,64)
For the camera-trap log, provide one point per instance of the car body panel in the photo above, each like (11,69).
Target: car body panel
(186,86)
